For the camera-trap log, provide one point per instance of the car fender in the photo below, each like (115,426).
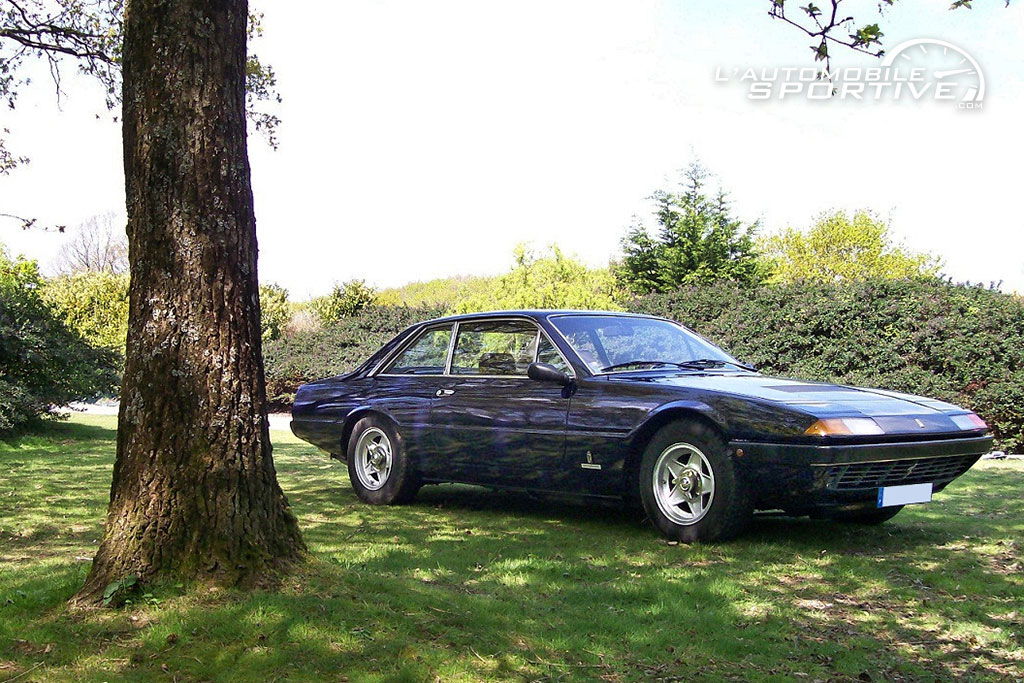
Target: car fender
(348,423)
(675,410)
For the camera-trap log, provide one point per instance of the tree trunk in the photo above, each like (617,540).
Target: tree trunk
(195,493)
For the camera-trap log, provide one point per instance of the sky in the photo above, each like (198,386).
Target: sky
(423,140)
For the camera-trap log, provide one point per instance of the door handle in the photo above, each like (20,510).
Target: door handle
(444,392)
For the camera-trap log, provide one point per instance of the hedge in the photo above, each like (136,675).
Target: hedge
(958,343)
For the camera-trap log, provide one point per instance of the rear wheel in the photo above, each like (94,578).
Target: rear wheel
(378,466)
(867,517)
(690,486)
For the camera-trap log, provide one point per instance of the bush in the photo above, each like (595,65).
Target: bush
(550,279)
(94,304)
(275,311)
(448,292)
(959,343)
(345,300)
(334,348)
(841,246)
(43,362)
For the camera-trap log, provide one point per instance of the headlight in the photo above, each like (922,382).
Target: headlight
(969,422)
(844,426)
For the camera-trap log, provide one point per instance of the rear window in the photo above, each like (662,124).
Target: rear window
(426,356)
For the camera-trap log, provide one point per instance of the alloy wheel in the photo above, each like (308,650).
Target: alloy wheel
(684,483)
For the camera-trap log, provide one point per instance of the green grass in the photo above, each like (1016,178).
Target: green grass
(467,585)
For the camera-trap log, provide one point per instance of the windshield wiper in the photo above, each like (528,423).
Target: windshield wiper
(699,364)
(642,362)
(702,363)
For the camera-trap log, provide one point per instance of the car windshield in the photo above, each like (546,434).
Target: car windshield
(612,343)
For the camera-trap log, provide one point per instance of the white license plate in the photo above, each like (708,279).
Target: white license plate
(904,495)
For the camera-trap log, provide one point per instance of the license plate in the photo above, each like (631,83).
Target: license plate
(904,495)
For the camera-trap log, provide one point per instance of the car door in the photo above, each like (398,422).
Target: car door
(604,410)
(408,386)
(604,414)
(494,424)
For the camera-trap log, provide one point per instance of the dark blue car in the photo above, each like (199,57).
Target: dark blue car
(629,407)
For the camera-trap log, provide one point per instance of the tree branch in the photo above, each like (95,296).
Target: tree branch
(32,39)
(57,33)
(822,31)
(866,39)
(30,223)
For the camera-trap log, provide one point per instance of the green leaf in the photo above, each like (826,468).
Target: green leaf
(110,591)
(812,10)
(867,35)
(122,585)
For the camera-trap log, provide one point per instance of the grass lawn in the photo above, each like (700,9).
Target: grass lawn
(466,584)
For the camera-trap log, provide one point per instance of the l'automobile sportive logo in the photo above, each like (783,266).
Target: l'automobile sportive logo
(920,70)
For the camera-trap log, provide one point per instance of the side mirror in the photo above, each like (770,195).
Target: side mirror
(542,372)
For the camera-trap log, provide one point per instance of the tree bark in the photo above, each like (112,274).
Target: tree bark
(195,492)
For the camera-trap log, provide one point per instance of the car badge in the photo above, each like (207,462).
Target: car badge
(589,464)
(919,423)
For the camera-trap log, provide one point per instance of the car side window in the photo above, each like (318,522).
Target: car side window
(426,356)
(546,353)
(494,347)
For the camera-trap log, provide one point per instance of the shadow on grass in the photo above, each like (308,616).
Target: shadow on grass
(469,584)
(843,584)
(47,431)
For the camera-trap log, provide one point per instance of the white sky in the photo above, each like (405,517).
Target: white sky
(427,139)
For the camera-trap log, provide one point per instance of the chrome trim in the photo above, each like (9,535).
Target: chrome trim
(572,370)
(415,336)
(451,349)
(528,319)
(383,362)
(541,334)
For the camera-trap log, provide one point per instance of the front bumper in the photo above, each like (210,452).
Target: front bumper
(804,478)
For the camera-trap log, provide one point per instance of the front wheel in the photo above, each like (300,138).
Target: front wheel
(378,467)
(690,487)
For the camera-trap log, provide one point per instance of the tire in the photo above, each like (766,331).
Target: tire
(866,517)
(690,487)
(378,467)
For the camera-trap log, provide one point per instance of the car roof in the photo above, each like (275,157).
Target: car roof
(536,314)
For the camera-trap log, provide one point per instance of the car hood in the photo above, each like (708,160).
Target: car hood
(893,411)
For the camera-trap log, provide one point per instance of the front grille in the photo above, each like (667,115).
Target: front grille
(866,475)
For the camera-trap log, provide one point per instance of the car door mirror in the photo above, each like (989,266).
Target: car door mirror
(542,372)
